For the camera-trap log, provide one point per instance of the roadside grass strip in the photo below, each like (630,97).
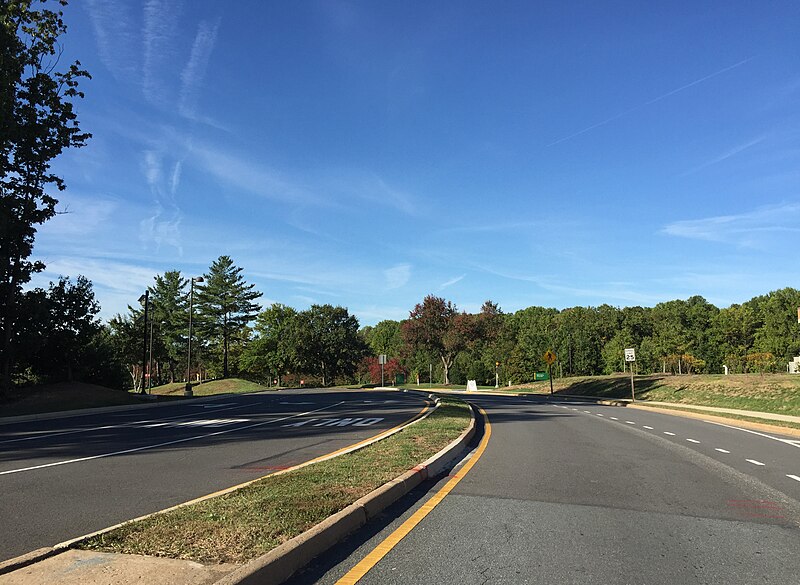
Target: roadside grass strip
(244,524)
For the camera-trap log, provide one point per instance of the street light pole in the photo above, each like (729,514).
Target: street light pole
(145,298)
(150,362)
(188,390)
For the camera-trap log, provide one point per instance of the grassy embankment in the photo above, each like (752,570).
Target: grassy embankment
(244,524)
(227,386)
(77,395)
(776,393)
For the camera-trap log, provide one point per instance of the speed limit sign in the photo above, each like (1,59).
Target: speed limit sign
(630,355)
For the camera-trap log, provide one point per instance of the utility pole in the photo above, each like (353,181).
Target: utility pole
(188,390)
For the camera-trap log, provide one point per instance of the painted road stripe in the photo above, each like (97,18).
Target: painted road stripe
(147,447)
(792,442)
(587,412)
(693,441)
(645,426)
(754,462)
(630,422)
(613,418)
(380,551)
(668,433)
(721,450)
(794,477)
(598,414)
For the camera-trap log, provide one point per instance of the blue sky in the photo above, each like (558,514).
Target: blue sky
(366,154)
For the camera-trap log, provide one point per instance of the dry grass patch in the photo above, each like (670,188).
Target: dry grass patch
(249,522)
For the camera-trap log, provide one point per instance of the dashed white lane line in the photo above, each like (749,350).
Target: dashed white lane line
(722,450)
(613,418)
(645,426)
(587,412)
(754,462)
(668,433)
(693,441)
(630,422)
(794,477)
(598,414)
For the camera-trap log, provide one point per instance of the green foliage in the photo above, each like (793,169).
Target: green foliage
(225,306)
(37,122)
(272,352)
(169,316)
(326,343)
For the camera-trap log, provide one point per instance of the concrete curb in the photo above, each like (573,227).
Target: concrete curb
(30,558)
(282,562)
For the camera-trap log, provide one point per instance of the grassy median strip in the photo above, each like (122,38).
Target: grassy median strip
(249,522)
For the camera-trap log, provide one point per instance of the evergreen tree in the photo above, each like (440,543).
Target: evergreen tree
(225,305)
(170,314)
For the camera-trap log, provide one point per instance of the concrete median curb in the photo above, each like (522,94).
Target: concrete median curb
(278,565)
(30,558)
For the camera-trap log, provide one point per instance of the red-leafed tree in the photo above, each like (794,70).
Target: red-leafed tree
(436,327)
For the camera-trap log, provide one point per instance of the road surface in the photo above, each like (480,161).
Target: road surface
(65,477)
(573,493)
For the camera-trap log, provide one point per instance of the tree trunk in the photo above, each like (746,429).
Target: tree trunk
(446,368)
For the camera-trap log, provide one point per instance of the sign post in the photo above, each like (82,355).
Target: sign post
(382,361)
(496,377)
(550,357)
(630,356)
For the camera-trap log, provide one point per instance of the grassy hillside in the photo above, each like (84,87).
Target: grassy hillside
(227,386)
(779,393)
(63,396)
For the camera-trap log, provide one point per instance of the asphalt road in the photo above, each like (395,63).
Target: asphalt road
(571,493)
(65,477)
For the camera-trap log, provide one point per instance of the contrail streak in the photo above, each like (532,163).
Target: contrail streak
(650,102)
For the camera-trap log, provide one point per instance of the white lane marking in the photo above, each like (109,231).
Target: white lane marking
(295,403)
(126,425)
(212,405)
(146,447)
(587,412)
(573,409)
(693,441)
(668,433)
(794,477)
(721,450)
(645,426)
(630,422)
(791,442)
(754,462)
(613,418)
(598,414)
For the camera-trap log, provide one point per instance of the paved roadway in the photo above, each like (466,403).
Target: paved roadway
(570,493)
(64,477)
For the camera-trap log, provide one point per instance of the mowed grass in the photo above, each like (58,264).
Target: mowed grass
(777,393)
(226,386)
(249,522)
(63,396)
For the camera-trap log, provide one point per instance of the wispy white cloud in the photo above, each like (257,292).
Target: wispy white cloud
(451,282)
(116,38)
(650,102)
(195,70)
(725,155)
(397,276)
(159,36)
(753,229)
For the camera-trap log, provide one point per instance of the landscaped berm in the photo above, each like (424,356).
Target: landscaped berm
(778,393)
(77,395)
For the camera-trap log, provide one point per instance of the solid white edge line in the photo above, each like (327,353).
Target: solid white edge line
(791,442)
(147,447)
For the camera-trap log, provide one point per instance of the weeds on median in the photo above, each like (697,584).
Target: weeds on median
(244,524)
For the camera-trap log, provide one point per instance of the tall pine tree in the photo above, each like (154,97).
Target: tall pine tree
(225,304)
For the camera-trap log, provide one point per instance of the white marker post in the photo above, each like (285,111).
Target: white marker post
(630,356)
